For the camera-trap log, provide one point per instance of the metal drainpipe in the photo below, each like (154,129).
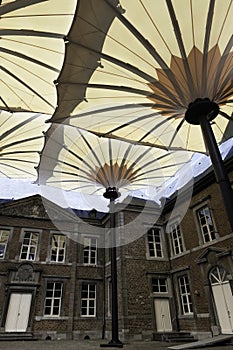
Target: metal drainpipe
(104,294)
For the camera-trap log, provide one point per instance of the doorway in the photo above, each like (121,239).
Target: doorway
(162,315)
(223,299)
(18,312)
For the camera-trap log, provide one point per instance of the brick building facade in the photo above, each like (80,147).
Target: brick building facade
(175,275)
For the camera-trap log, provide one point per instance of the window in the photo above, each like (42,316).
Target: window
(159,285)
(4,237)
(206,224)
(88,300)
(90,251)
(58,247)
(177,244)
(185,295)
(154,243)
(53,299)
(218,275)
(29,245)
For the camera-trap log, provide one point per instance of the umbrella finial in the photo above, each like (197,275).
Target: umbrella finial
(199,108)
(111,193)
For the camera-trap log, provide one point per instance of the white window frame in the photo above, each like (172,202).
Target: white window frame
(162,287)
(202,227)
(176,238)
(185,295)
(53,298)
(154,245)
(89,249)
(31,246)
(88,300)
(4,243)
(59,248)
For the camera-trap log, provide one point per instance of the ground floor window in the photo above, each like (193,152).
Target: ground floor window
(88,300)
(185,295)
(53,299)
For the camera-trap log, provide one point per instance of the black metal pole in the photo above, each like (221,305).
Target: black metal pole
(201,112)
(219,168)
(112,194)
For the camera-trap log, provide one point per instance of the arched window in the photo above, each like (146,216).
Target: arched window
(217,275)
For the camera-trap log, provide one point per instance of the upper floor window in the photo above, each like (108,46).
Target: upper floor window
(53,299)
(206,224)
(159,285)
(4,237)
(185,295)
(29,245)
(90,251)
(154,243)
(176,239)
(58,248)
(88,300)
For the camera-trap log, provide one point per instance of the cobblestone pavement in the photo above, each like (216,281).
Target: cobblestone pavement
(91,345)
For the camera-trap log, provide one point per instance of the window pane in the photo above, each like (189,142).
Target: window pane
(88,301)
(154,243)
(185,295)
(53,299)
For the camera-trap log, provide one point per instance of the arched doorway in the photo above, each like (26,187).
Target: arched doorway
(223,298)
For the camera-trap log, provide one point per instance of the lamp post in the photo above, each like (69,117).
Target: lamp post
(112,194)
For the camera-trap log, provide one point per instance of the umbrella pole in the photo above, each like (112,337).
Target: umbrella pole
(219,168)
(201,112)
(111,193)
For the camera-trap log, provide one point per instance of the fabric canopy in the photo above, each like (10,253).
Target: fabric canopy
(22,138)
(133,67)
(32,52)
(77,160)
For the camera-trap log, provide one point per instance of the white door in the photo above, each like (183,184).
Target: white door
(223,300)
(162,315)
(18,312)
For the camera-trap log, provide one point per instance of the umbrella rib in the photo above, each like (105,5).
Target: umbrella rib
(132,69)
(221,63)
(224,97)
(30,33)
(27,58)
(206,44)
(16,5)
(76,156)
(156,127)
(225,87)
(158,169)
(122,88)
(176,132)
(17,160)
(27,86)
(147,45)
(93,153)
(225,115)
(150,161)
(180,44)
(130,122)
(125,157)
(113,108)
(14,167)
(89,146)
(5,104)
(20,142)
(75,175)
(16,127)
